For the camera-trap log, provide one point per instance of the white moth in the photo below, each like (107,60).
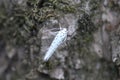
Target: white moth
(58,40)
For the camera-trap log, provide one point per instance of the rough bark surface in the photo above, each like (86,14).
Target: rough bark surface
(90,52)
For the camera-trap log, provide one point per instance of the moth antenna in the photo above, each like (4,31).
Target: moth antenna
(60,26)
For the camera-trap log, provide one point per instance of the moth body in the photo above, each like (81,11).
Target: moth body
(57,41)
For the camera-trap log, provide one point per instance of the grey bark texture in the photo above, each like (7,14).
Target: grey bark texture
(90,52)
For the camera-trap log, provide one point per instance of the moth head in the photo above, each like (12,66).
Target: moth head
(64,29)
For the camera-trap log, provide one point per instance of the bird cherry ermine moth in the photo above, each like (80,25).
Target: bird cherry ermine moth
(57,41)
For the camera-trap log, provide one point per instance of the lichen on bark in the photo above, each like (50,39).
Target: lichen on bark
(24,43)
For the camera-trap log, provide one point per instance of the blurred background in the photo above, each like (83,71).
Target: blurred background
(91,50)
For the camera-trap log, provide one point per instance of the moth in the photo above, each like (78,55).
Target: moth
(57,41)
